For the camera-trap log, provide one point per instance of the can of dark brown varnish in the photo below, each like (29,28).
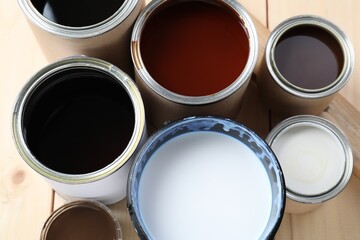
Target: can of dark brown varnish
(307,61)
(79,122)
(100,29)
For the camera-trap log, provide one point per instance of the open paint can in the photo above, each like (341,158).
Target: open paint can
(206,178)
(316,159)
(193,57)
(100,29)
(307,61)
(78,122)
(82,220)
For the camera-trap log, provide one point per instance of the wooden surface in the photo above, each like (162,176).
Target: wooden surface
(26,200)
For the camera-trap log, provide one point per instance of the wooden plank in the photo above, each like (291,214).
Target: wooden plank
(347,118)
(344,13)
(337,219)
(25,198)
(257,8)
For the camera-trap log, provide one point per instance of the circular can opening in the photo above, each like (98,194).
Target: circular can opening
(79,13)
(202,163)
(78,120)
(315,157)
(194,52)
(308,57)
(194,48)
(82,220)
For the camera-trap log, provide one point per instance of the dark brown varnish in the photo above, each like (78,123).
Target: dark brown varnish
(194,48)
(309,57)
(78,121)
(77,13)
(82,223)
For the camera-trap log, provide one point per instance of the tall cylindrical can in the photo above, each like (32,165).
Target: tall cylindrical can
(100,29)
(193,58)
(307,61)
(78,122)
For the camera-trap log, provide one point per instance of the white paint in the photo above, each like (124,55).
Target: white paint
(205,185)
(312,158)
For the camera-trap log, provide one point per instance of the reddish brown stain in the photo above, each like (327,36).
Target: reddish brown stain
(194,48)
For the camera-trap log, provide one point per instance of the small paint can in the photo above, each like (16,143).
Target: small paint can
(193,58)
(100,29)
(307,61)
(83,219)
(316,160)
(78,122)
(206,178)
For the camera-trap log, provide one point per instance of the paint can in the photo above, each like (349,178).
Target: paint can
(316,160)
(82,220)
(78,122)
(307,61)
(100,29)
(206,178)
(193,58)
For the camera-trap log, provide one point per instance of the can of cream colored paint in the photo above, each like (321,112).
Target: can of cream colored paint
(316,159)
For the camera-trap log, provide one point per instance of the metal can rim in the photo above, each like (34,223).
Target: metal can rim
(77,203)
(97,29)
(181,125)
(79,61)
(343,140)
(326,25)
(194,100)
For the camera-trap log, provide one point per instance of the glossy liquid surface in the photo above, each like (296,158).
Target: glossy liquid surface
(194,48)
(77,13)
(81,124)
(82,223)
(312,158)
(204,185)
(309,57)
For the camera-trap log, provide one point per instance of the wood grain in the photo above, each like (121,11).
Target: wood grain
(347,118)
(25,198)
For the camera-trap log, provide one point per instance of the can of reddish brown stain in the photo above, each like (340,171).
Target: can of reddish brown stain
(78,122)
(307,61)
(93,28)
(193,58)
